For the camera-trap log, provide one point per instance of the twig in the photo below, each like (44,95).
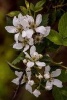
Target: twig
(59,65)
(18,87)
(58,6)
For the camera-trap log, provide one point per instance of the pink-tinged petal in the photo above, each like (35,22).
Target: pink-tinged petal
(26,48)
(49,85)
(56,73)
(15,81)
(38,19)
(29,33)
(40,64)
(47,68)
(57,82)
(19,74)
(30,64)
(31,41)
(40,29)
(16,36)
(32,50)
(36,93)
(47,31)
(11,29)
(15,21)
(28,87)
(24,33)
(18,46)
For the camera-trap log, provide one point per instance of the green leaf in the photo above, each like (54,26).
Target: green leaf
(24,10)
(13,13)
(27,4)
(45,19)
(31,6)
(62,27)
(38,6)
(63,76)
(40,3)
(18,59)
(12,66)
(55,37)
(38,9)
(57,94)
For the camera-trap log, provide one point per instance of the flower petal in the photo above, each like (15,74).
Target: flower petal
(15,21)
(11,29)
(18,46)
(58,83)
(19,74)
(30,64)
(40,64)
(40,29)
(32,50)
(31,41)
(38,19)
(56,73)
(30,19)
(29,33)
(47,68)
(48,85)
(36,93)
(28,87)
(16,36)
(26,48)
(47,31)
(16,81)
(24,34)
(28,72)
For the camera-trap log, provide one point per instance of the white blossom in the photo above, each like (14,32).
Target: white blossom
(36,93)
(34,25)
(50,78)
(34,58)
(16,80)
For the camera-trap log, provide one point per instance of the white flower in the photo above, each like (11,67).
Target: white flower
(34,58)
(36,93)
(35,25)
(16,80)
(29,85)
(24,43)
(50,78)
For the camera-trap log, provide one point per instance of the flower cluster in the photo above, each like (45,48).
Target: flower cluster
(28,33)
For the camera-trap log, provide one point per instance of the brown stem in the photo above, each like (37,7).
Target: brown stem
(18,87)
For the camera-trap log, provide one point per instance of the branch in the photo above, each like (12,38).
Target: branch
(18,87)
(58,6)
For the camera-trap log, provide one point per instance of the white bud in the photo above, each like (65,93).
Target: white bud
(31,82)
(48,87)
(47,76)
(24,61)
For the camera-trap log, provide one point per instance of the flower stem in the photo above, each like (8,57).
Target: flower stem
(58,6)
(18,87)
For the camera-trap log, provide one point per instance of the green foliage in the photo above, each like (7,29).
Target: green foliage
(18,59)
(13,13)
(55,37)
(63,76)
(12,66)
(58,94)
(27,4)
(24,10)
(45,19)
(62,27)
(61,37)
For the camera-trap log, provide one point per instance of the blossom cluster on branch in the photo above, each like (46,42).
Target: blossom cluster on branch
(29,32)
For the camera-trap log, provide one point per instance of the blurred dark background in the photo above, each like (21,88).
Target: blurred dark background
(7,53)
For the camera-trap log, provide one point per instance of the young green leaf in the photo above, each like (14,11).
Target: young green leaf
(13,13)
(40,3)
(32,7)
(24,10)
(27,4)
(55,37)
